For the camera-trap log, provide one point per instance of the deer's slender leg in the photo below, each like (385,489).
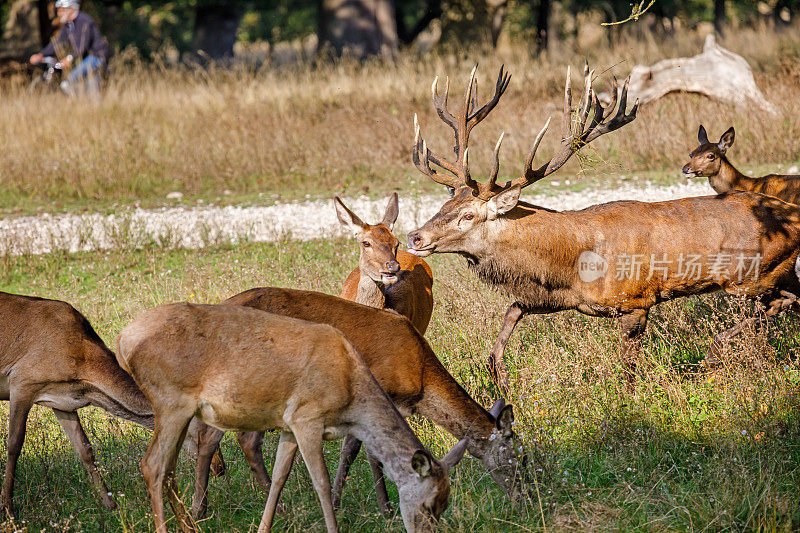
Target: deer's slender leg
(632,327)
(309,440)
(218,466)
(497,366)
(350,448)
(287,447)
(380,483)
(83,448)
(714,355)
(21,404)
(251,443)
(208,439)
(158,465)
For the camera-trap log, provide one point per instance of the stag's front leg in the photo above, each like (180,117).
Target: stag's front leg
(20,406)
(380,483)
(633,326)
(83,448)
(497,366)
(251,443)
(208,440)
(350,448)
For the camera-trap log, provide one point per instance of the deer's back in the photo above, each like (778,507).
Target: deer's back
(394,351)
(783,186)
(241,365)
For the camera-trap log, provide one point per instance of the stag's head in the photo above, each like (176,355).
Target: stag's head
(707,158)
(377,243)
(423,497)
(476,210)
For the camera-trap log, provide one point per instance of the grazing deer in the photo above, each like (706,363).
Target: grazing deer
(407,369)
(385,276)
(50,355)
(241,368)
(616,259)
(709,160)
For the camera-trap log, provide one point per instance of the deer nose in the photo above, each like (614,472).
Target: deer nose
(414,240)
(686,168)
(392,267)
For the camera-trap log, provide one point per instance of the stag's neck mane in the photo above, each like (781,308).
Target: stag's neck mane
(531,253)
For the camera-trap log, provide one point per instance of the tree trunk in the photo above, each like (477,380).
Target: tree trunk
(719,15)
(497,14)
(46,27)
(543,9)
(215,27)
(433,11)
(359,28)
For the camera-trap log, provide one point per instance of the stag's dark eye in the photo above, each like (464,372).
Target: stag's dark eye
(469,216)
(365,244)
(710,157)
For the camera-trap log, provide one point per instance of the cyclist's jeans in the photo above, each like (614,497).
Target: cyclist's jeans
(87,72)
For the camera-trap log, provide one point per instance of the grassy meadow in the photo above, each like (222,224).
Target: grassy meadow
(686,450)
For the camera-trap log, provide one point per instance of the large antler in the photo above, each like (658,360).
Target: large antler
(576,133)
(462,125)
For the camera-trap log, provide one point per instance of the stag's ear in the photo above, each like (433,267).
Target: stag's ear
(505,421)
(455,454)
(390,217)
(702,136)
(504,202)
(348,219)
(451,191)
(726,141)
(421,463)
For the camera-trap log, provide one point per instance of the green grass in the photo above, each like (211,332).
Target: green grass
(684,451)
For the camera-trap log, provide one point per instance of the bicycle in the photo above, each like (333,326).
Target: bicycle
(50,78)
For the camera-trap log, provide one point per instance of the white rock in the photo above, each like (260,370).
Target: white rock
(793,169)
(174,195)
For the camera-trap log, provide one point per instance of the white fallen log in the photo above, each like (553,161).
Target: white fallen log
(716,73)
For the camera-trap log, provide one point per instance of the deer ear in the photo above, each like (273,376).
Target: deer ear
(504,202)
(505,421)
(455,454)
(726,141)
(702,136)
(451,190)
(390,217)
(497,407)
(347,218)
(421,463)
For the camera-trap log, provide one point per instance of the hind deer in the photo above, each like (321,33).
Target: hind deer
(385,278)
(51,356)
(406,368)
(710,160)
(616,259)
(244,369)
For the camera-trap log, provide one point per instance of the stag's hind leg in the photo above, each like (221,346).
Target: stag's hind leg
(252,443)
(379,481)
(71,425)
(20,405)
(309,439)
(208,439)
(350,449)
(632,328)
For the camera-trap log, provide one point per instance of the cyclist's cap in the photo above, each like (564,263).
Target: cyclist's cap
(74,4)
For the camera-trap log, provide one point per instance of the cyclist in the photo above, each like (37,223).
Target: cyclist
(80,44)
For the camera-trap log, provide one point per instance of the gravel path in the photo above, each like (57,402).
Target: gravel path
(196,227)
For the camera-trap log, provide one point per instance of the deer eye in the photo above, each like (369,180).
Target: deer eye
(365,244)
(468,216)
(710,157)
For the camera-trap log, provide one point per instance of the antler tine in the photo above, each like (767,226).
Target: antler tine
(614,96)
(503,79)
(492,183)
(620,119)
(468,95)
(535,146)
(423,163)
(568,104)
(440,102)
(588,97)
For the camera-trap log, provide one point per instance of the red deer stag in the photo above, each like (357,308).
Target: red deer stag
(616,259)
(385,278)
(50,355)
(241,368)
(406,368)
(709,160)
